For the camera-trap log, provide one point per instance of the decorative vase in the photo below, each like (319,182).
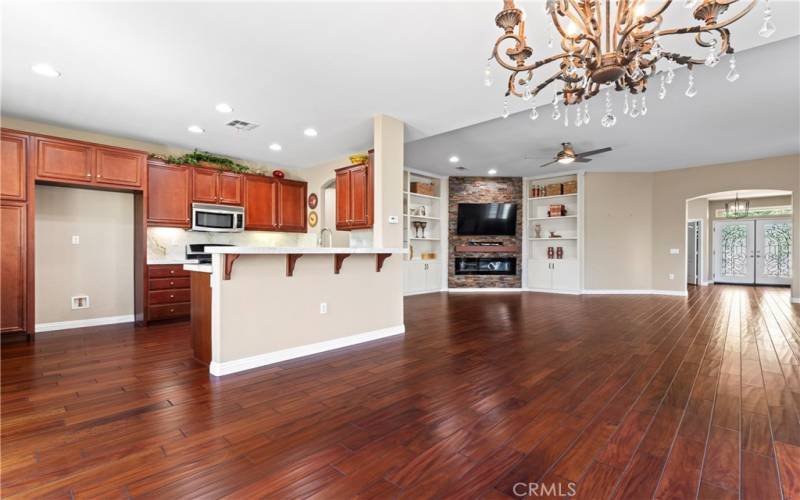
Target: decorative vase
(278,174)
(537,231)
(550,252)
(559,253)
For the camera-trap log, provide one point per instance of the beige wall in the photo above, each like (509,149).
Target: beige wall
(101,266)
(317,177)
(612,227)
(618,231)
(389,148)
(671,189)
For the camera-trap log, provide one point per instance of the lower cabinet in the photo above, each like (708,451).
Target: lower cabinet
(555,274)
(422,276)
(169,292)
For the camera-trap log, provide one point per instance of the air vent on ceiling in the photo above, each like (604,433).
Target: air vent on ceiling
(242,125)
(461,168)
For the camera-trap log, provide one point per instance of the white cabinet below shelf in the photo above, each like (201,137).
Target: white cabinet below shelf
(422,276)
(553,274)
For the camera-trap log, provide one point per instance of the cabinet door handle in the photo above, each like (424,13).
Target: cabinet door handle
(172,296)
(172,310)
(171,271)
(98,176)
(171,283)
(88,174)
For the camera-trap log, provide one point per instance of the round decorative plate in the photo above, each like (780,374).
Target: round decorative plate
(312,218)
(312,201)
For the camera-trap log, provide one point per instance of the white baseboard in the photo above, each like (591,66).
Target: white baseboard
(481,290)
(269,358)
(678,293)
(795,300)
(408,294)
(81,323)
(548,290)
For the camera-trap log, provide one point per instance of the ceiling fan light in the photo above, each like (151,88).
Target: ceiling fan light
(566,160)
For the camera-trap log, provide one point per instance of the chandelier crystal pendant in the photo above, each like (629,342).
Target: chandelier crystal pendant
(737,209)
(605,44)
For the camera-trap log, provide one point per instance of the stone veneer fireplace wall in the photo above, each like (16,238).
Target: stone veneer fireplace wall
(483,190)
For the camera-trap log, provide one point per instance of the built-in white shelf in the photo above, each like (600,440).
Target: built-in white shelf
(425,217)
(537,198)
(562,238)
(554,218)
(418,195)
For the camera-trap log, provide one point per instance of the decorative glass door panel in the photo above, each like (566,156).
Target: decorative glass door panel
(734,252)
(774,251)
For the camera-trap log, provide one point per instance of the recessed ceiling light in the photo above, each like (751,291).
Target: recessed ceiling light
(310,132)
(492,171)
(454,159)
(45,70)
(195,129)
(224,108)
(275,146)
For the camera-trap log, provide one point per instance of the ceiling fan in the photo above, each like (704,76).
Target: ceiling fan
(568,155)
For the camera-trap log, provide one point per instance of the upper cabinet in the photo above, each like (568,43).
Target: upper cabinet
(210,185)
(119,167)
(355,196)
(205,184)
(13,185)
(230,188)
(272,204)
(292,206)
(260,203)
(62,160)
(169,195)
(74,162)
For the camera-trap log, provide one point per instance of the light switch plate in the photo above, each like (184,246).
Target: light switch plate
(393,219)
(674,251)
(76,240)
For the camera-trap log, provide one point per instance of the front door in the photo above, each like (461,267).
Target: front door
(753,251)
(774,251)
(734,251)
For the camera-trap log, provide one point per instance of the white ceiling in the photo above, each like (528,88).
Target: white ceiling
(147,70)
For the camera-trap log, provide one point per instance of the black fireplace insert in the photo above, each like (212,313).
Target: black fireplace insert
(486,265)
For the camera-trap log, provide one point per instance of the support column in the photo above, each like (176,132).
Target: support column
(388,169)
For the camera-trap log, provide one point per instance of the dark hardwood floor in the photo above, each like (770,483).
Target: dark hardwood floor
(626,397)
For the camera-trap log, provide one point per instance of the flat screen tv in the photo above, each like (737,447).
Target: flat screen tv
(489,219)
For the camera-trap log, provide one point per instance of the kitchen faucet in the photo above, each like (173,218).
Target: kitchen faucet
(322,237)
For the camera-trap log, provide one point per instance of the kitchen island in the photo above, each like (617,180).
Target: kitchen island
(261,305)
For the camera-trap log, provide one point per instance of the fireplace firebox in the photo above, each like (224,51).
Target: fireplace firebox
(486,265)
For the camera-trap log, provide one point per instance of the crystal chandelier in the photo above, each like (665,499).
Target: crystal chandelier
(737,208)
(607,45)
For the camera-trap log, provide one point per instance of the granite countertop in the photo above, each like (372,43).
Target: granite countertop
(303,250)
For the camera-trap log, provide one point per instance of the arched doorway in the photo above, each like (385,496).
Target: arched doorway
(747,242)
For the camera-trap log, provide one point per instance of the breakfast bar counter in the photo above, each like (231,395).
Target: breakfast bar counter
(261,305)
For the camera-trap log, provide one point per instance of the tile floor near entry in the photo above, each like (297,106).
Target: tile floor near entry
(627,396)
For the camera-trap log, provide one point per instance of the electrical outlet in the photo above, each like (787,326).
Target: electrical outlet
(674,251)
(323,308)
(76,240)
(80,302)
(671,276)
(393,219)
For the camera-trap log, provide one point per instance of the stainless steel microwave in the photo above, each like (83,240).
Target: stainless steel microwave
(217,218)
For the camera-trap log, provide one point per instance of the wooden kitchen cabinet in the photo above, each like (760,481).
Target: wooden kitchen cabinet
(216,186)
(64,160)
(260,203)
(14,150)
(292,205)
(230,188)
(355,196)
(169,195)
(205,184)
(119,167)
(74,162)
(14,285)
(169,292)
